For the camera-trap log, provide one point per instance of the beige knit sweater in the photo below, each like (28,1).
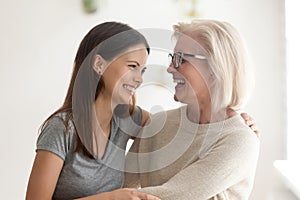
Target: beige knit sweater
(179,160)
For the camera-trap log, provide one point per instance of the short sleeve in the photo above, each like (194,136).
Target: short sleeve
(53,138)
(137,116)
(134,123)
(129,124)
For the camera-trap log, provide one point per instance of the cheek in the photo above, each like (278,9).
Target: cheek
(112,76)
(199,85)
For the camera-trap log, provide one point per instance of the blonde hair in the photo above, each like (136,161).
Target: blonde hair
(227,58)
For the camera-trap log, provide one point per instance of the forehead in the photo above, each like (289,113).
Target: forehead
(136,53)
(188,44)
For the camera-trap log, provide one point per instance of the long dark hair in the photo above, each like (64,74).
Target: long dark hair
(109,40)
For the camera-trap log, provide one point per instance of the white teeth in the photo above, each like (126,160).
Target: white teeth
(130,88)
(179,81)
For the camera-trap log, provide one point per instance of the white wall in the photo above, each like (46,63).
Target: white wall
(38,44)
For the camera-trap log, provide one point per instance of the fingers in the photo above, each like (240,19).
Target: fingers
(141,195)
(257,133)
(145,196)
(255,130)
(245,116)
(249,121)
(253,127)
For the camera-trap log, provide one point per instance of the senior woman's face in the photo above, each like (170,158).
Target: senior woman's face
(192,75)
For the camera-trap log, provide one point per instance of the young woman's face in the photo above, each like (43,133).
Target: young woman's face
(124,74)
(192,76)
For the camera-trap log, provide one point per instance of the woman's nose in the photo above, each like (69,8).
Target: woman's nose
(171,68)
(138,78)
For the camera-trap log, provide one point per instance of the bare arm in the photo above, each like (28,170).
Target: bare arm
(44,175)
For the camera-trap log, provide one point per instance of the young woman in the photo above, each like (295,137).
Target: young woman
(80,150)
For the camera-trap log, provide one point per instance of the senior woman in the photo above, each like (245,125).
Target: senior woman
(202,150)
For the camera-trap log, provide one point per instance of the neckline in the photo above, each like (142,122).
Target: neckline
(189,125)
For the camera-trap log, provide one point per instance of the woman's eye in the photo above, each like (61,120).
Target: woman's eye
(183,60)
(132,66)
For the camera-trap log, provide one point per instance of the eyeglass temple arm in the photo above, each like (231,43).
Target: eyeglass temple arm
(194,56)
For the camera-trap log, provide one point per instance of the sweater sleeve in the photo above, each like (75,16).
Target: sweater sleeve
(228,163)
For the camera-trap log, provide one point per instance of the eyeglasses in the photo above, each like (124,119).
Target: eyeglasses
(177,58)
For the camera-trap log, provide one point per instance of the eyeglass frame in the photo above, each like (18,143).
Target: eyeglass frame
(181,55)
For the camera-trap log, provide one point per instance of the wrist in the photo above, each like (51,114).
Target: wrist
(105,196)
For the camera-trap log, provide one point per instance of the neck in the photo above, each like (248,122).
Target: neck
(103,112)
(204,115)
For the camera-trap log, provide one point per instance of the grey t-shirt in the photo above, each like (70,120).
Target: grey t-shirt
(80,175)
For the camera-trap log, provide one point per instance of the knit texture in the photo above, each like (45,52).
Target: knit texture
(177,159)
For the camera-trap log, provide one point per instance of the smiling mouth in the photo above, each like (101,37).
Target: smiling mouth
(130,88)
(179,81)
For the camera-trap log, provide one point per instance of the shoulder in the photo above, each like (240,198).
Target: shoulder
(239,135)
(234,145)
(59,123)
(240,147)
(57,135)
(54,125)
(239,130)
(122,113)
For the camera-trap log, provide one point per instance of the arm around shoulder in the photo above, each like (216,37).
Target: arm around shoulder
(231,161)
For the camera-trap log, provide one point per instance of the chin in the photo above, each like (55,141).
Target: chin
(122,100)
(125,101)
(122,97)
(177,98)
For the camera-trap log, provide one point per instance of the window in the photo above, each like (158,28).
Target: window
(293,77)
(290,168)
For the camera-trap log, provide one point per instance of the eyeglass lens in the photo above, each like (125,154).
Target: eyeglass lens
(176,59)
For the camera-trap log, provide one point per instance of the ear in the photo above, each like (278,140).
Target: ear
(98,64)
